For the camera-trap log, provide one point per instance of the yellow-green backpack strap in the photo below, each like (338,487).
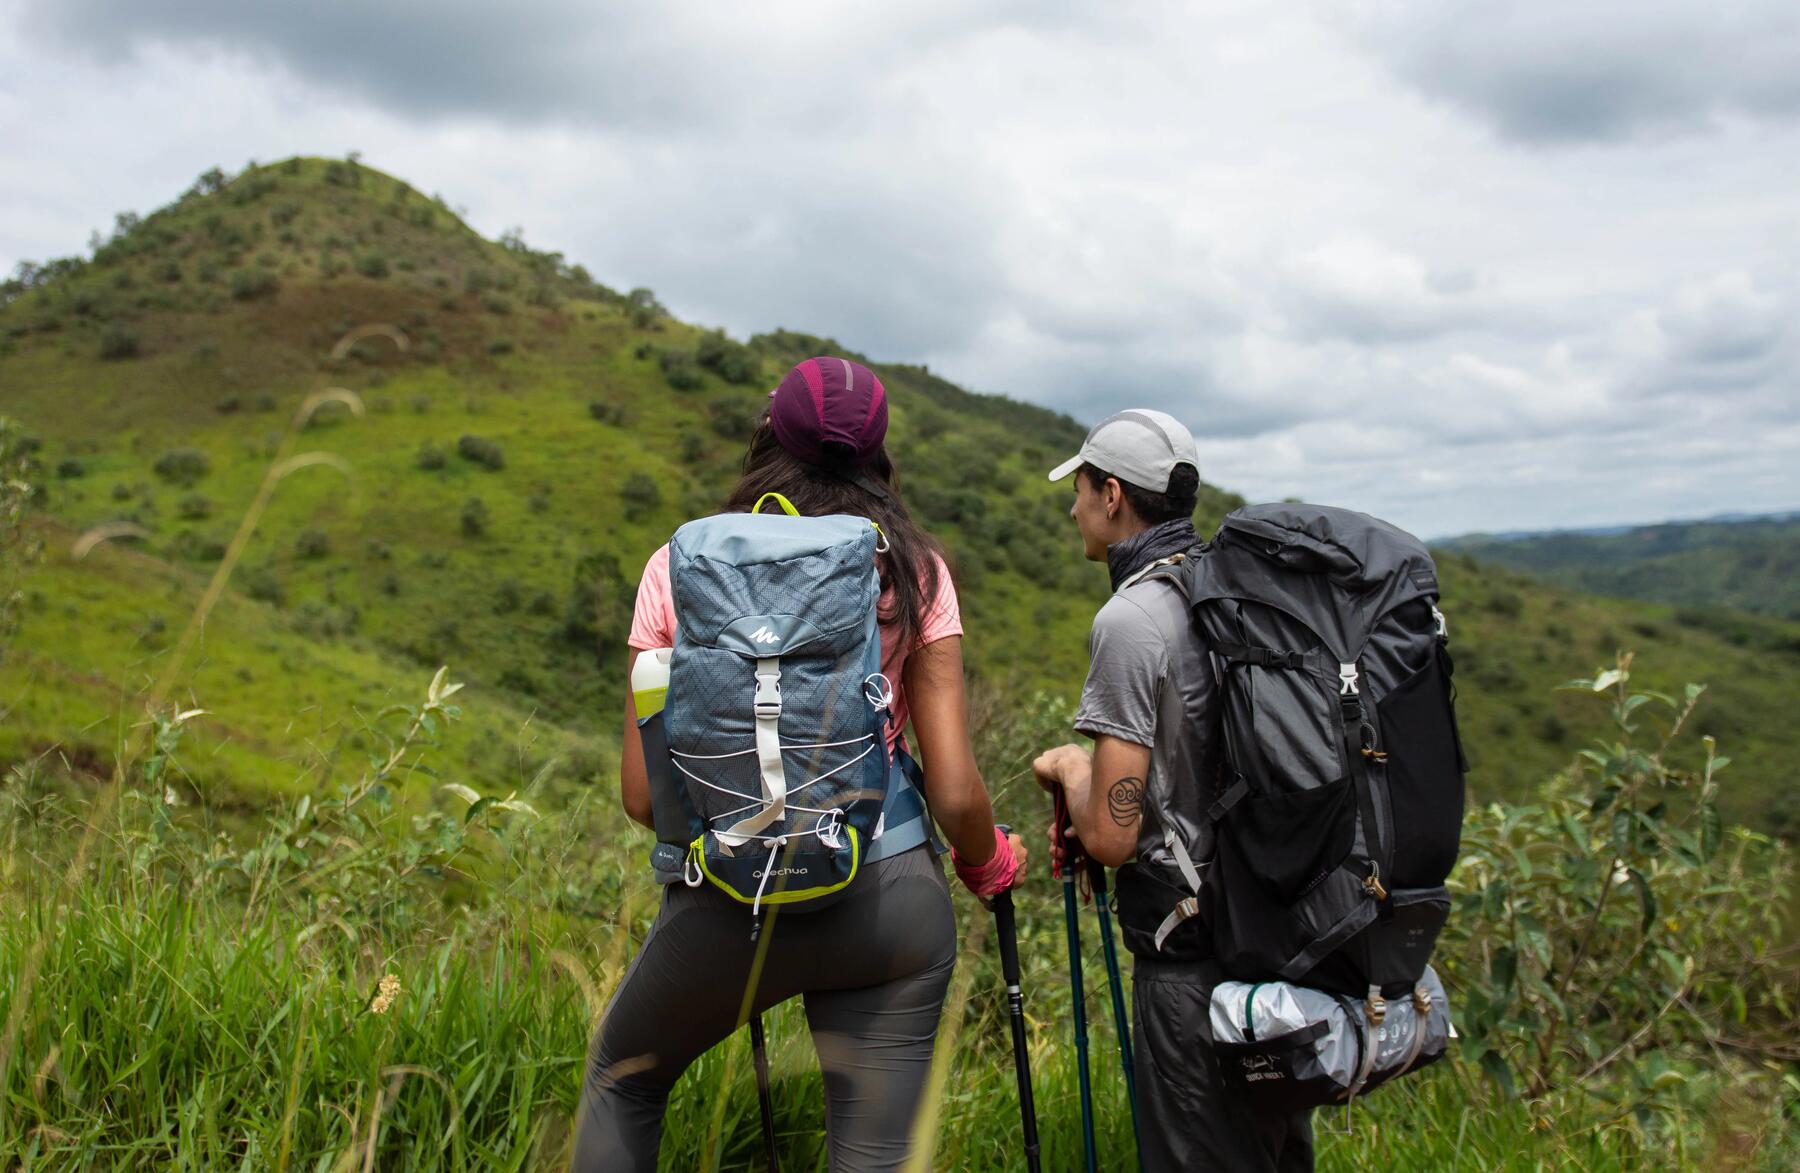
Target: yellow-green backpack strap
(787,506)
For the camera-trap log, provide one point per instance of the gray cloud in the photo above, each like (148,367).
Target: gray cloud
(673,69)
(1553,72)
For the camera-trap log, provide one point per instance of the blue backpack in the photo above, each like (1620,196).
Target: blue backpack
(769,768)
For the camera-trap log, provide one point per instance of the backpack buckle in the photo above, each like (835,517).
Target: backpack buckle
(1347,678)
(768,694)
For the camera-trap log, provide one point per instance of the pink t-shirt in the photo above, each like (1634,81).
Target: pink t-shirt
(653,626)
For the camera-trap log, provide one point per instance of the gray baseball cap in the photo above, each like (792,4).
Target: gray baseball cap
(1140,446)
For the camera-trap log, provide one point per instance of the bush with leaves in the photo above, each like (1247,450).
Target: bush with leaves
(1615,939)
(732,361)
(429,457)
(182,466)
(680,369)
(641,496)
(312,544)
(482,451)
(646,312)
(251,284)
(19,547)
(118,341)
(475,518)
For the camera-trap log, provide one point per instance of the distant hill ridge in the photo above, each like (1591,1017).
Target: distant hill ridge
(538,437)
(1747,564)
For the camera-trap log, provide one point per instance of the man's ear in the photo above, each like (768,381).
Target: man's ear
(1113,497)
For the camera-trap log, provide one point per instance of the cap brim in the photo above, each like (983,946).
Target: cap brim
(1066,467)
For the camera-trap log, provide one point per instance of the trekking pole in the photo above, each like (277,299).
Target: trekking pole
(1072,925)
(1015,1009)
(1121,1024)
(759,1051)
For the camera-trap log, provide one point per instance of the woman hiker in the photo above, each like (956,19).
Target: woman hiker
(872,967)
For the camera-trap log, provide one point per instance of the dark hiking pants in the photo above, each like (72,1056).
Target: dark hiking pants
(872,968)
(1190,1120)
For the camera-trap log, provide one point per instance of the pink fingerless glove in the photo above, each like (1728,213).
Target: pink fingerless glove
(993,877)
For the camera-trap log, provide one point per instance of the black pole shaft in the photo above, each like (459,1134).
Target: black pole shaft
(1015,1009)
(1121,1022)
(1078,996)
(759,1052)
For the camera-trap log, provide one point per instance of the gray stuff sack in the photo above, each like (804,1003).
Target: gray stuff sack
(1284,1047)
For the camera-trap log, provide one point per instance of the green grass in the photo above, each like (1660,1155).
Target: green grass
(164,1030)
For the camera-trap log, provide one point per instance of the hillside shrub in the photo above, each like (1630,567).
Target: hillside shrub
(482,451)
(312,544)
(194,507)
(508,597)
(640,495)
(284,213)
(228,405)
(679,368)
(182,466)
(735,418)
(118,342)
(261,583)
(196,547)
(1610,938)
(251,284)
(167,271)
(20,545)
(70,468)
(475,518)
(732,361)
(430,457)
(496,303)
(372,264)
(691,447)
(322,620)
(646,312)
(501,346)
(608,413)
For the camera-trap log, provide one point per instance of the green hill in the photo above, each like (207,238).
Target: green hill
(1752,565)
(536,439)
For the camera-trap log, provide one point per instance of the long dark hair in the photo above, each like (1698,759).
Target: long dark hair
(911,565)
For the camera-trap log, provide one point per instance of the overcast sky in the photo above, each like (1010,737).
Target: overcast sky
(1466,265)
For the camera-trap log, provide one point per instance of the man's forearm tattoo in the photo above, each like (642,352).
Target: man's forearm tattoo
(1125,801)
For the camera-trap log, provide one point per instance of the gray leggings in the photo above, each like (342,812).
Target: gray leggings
(872,967)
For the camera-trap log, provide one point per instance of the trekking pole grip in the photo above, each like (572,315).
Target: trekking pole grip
(1002,904)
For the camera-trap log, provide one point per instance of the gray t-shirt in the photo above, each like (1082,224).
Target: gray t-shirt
(1151,682)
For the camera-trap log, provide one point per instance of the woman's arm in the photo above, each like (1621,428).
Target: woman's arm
(634,780)
(953,786)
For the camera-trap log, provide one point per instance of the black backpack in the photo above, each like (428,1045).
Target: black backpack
(1340,806)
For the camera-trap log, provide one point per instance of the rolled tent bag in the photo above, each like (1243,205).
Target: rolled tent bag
(1285,1047)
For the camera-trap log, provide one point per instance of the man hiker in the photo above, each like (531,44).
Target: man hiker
(1138,802)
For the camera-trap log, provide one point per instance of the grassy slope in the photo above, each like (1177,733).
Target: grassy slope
(404,588)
